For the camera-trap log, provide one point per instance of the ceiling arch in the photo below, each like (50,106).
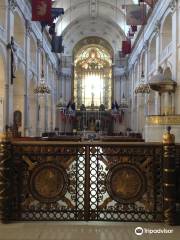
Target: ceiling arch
(85,18)
(91,27)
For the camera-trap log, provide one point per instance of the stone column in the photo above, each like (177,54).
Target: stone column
(157,30)
(140,113)
(175,31)
(146,64)
(53,104)
(173,103)
(157,103)
(39,49)
(133,101)
(26,100)
(46,124)
(167,104)
(42,111)
(176,51)
(8,102)
(138,96)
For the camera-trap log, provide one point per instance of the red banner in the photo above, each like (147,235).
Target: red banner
(41,10)
(126,47)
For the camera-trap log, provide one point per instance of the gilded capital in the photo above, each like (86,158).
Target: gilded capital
(28,27)
(146,44)
(12,4)
(172,5)
(39,45)
(157,27)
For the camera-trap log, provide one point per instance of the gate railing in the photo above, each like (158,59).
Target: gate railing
(91,181)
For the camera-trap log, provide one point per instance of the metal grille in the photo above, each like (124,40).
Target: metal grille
(87,182)
(106,202)
(40,196)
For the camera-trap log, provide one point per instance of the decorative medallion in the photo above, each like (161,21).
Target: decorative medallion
(48,182)
(125,183)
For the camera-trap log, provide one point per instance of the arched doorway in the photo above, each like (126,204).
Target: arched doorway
(93,73)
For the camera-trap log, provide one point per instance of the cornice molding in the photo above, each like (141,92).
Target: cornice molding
(28,27)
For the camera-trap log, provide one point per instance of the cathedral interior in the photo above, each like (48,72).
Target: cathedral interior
(89,119)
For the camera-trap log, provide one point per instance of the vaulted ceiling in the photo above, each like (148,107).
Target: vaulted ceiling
(83,18)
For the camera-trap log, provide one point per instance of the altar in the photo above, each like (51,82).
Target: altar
(93,121)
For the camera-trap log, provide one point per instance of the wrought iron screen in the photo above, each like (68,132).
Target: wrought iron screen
(87,182)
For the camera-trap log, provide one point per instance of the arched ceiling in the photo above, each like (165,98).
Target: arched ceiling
(101,18)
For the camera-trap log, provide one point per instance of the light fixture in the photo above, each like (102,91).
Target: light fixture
(143,88)
(142,74)
(42,88)
(124,103)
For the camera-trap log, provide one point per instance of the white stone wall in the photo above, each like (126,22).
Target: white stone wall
(28,63)
(165,19)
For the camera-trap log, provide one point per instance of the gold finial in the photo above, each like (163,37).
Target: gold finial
(3,137)
(168,138)
(6,135)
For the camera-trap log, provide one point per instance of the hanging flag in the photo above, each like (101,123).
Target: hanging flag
(56,44)
(130,34)
(136,14)
(133,28)
(55,13)
(126,46)
(41,10)
(148,2)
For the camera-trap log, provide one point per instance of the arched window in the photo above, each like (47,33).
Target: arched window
(166,33)
(19,30)
(93,76)
(33,50)
(152,50)
(3,13)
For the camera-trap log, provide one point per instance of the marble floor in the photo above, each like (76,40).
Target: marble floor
(87,231)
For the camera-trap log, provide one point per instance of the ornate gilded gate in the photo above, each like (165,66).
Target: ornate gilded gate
(88,182)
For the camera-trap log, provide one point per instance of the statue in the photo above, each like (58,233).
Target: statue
(92,101)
